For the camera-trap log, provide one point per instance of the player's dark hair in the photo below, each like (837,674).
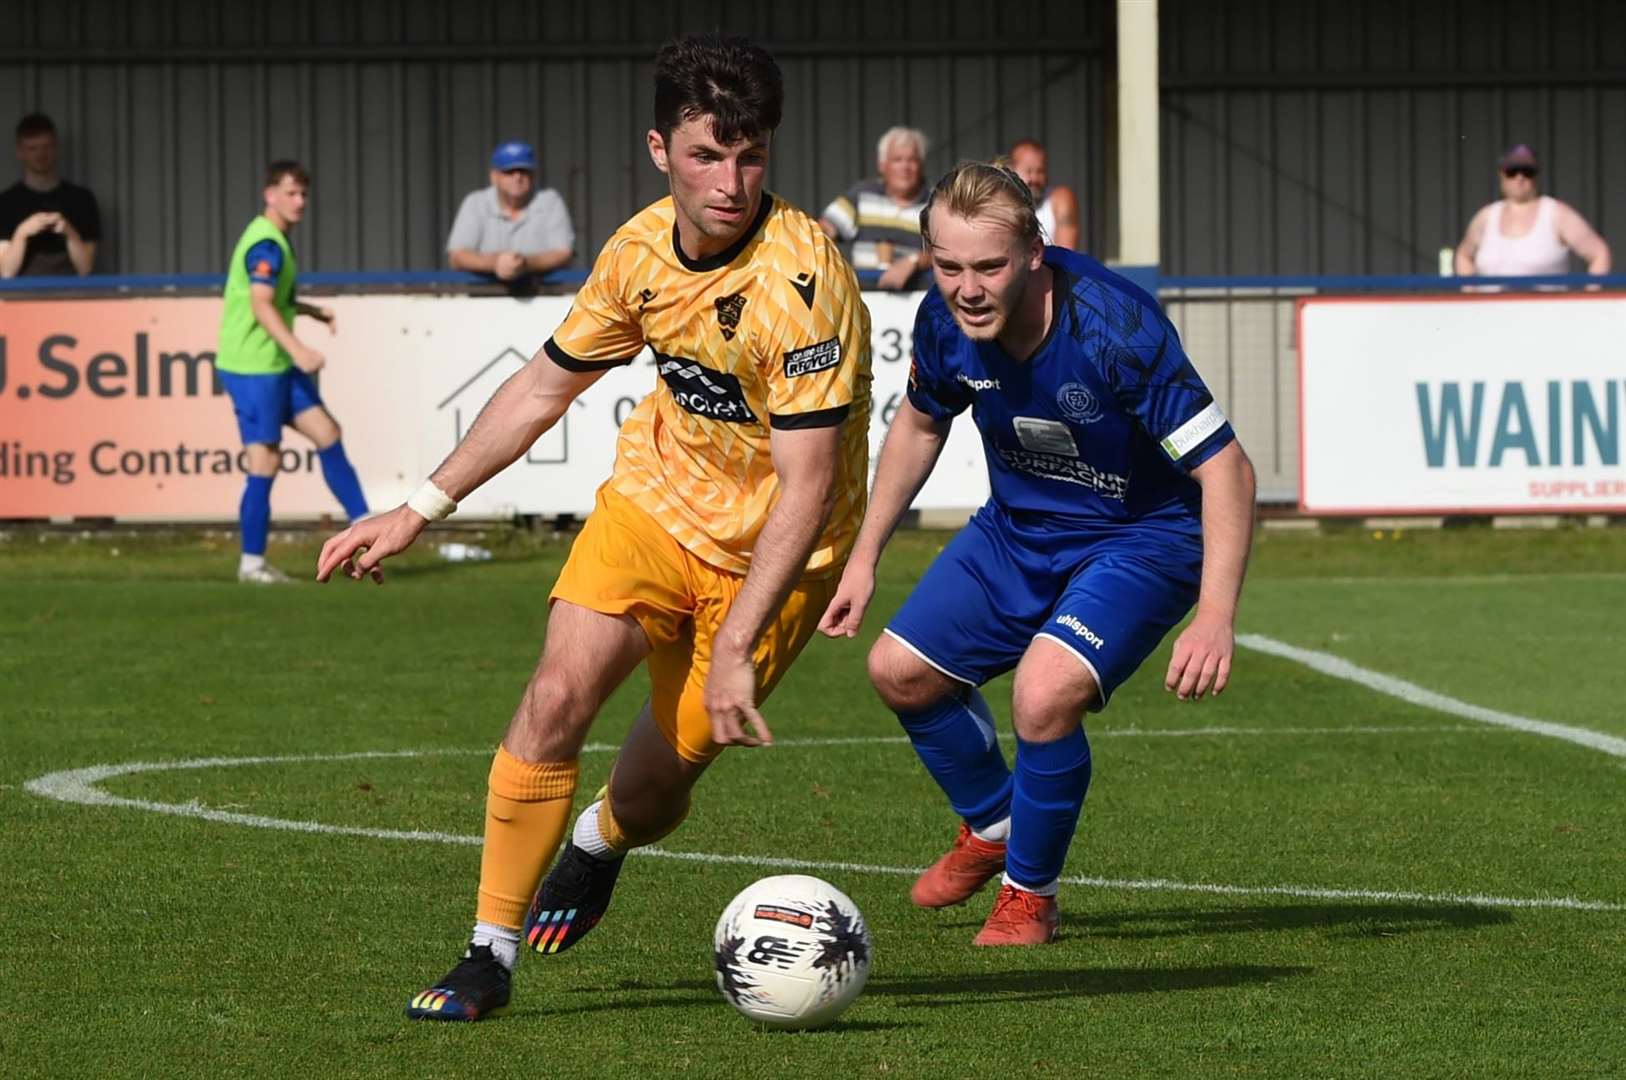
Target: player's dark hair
(730,79)
(35,123)
(275,171)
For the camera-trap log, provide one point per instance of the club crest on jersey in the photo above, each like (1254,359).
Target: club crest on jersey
(1077,402)
(819,357)
(729,309)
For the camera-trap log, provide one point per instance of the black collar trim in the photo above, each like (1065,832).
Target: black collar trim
(730,253)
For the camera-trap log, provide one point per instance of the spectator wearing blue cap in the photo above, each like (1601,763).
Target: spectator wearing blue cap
(511,229)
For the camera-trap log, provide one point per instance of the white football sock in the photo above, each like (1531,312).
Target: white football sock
(998,832)
(586,835)
(250,562)
(504,942)
(1037,890)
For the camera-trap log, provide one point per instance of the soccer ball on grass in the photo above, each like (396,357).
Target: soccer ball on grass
(791,952)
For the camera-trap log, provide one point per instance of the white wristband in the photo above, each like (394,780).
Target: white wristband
(432,503)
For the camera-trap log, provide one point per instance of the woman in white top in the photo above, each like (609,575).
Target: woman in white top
(1526,232)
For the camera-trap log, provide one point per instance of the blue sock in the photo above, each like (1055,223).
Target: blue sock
(341,480)
(1051,779)
(956,742)
(254,514)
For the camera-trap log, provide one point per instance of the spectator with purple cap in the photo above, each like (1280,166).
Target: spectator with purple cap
(1526,232)
(511,229)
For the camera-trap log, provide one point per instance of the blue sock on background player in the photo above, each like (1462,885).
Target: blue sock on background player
(341,480)
(956,742)
(254,514)
(1047,796)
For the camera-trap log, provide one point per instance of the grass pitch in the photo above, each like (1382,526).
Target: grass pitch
(1276,879)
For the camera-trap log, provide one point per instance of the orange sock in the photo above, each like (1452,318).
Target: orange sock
(527,810)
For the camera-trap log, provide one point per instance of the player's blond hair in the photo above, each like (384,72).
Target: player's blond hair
(989,190)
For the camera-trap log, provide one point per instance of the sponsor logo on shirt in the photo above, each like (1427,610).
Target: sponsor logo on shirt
(1193,431)
(1045,436)
(819,357)
(1068,470)
(977,384)
(716,395)
(1080,630)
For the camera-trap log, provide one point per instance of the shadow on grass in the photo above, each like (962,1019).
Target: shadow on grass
(631,995)
(1347,920)
(1001,987)
(1004,987)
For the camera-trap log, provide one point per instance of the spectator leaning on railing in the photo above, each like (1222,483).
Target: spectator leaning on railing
(47,225)
(1526,232)
(878,220)
(511,229)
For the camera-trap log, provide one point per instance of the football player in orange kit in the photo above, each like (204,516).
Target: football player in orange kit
(738,488)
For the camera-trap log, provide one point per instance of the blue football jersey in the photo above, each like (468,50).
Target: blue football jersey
(1102,424)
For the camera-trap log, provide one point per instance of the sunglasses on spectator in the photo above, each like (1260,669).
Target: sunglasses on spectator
(1520,170)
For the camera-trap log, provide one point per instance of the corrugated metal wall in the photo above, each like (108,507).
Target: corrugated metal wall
(1324,136)
(169,109)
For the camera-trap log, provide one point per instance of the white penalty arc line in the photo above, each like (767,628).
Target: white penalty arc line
(81,786)
(1339,668)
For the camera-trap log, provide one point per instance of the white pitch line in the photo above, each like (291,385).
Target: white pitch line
(80,786)
(1339,668)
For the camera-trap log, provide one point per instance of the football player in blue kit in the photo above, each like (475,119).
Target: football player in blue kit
(1120,496)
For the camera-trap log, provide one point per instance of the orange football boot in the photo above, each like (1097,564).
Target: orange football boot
(961,872)
(1019,918)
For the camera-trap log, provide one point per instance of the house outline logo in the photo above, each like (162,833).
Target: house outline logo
(532,457)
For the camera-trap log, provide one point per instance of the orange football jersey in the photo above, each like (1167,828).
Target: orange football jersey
(771,333)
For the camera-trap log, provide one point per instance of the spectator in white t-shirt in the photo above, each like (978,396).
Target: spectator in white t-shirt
(1526,232)
(511,229)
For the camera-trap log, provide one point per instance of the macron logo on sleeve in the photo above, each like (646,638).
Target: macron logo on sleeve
(1194,431)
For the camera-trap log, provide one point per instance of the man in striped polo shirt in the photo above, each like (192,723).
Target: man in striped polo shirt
(268,371)
(878,220)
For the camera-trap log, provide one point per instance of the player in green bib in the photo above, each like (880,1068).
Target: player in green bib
(268,371)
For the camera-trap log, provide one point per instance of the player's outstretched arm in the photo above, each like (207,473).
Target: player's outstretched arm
(1202,652)
(908,456)
(523,408)
(808,462)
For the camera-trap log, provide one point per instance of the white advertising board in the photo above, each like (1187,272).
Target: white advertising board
(479,342)
(1462,404)
(108,408)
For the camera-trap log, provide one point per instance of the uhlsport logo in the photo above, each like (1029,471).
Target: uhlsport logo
(1080,630)
(978,384)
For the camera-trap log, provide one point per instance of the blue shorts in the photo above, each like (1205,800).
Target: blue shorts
(1107,594)
(264,403)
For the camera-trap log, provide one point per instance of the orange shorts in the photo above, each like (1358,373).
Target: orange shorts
(624,563)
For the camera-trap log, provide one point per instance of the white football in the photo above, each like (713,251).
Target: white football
(791,952)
